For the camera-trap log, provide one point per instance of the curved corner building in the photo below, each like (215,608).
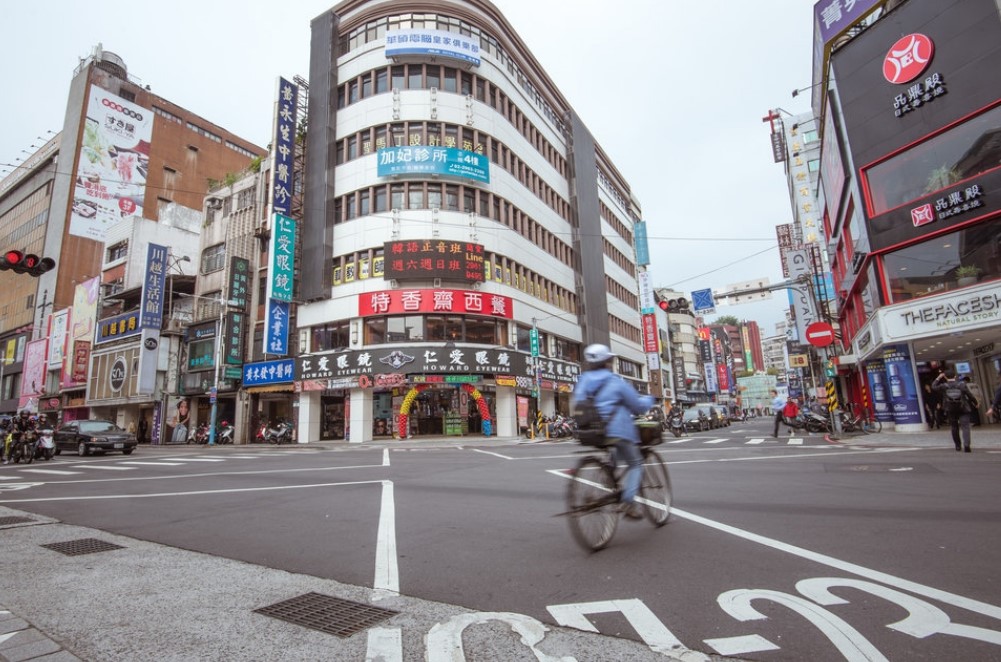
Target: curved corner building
(459,219)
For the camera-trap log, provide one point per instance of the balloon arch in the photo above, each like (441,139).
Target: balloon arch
(403,421)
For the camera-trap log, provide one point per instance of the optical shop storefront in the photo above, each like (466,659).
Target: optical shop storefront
(903,347)
(423,390)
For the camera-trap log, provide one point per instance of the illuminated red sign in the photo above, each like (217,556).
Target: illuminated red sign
(434,258)
(650,344)
(907,58)
(408,302)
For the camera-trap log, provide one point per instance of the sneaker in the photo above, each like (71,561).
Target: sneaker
(630,510)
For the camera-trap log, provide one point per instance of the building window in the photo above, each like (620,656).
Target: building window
(945,263)
(214,258)
(118,251)
(948,158)
(331,336)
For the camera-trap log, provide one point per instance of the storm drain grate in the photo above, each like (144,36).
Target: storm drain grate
(5,521)
(327,614)
(82,546)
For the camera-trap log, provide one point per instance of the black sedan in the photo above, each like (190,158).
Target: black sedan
(86,437)
(695,420)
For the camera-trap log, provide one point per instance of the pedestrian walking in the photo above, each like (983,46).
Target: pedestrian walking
(994,411)
(957,403)
(778,403)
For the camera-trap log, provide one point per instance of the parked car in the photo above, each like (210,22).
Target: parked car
(717,419)
(89,436)
(695,420)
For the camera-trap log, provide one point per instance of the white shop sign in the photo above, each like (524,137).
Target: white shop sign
(966,310)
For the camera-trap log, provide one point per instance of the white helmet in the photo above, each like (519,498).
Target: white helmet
(597,353)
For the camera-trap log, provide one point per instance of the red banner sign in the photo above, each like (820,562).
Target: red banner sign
(650,344)
(406,302)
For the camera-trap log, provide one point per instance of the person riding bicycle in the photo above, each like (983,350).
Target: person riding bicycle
(617,402)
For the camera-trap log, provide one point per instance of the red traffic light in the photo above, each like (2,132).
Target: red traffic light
(663,305)
(12,258)
(31,264)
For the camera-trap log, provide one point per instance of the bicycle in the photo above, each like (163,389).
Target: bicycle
(853,421)
(593,494)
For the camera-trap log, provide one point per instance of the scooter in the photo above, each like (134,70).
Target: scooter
(225,433)
(200,435)
(45,448)
(279,434)
(676,421)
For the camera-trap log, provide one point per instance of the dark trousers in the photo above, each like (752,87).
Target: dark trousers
(957,423)
(778,422)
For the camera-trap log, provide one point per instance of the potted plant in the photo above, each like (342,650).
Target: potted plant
(967,274)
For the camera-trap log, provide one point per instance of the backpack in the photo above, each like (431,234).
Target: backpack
(590,424)
(952,401)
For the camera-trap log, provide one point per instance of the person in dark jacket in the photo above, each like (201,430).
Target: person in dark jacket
(957,409)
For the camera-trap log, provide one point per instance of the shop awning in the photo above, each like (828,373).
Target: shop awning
(271,388)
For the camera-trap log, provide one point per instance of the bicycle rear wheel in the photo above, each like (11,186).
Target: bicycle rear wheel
(872,426)
(655,489)
(592,504)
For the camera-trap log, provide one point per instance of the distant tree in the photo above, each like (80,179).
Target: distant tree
(729,320)
(773,371)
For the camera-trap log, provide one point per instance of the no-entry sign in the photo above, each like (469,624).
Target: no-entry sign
(820,334)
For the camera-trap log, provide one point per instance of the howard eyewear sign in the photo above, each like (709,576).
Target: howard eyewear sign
(402,302)
(413,360)
(421,160)
(555,370)
(268,372)
(433,258)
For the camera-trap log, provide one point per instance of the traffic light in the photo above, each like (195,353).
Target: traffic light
(679,305)
(830,369)
(19,263)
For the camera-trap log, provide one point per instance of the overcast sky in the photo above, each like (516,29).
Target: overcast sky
(673,91)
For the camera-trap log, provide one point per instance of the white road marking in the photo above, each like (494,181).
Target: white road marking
(751,643)
(103,467)
(233,457)
(387,575)
(755,441)
(794,441)
(845,566)
(716,441)
(153,464)
(385,457)
(679,441)
(160,495)
(196,459)
(503,457)
(54,472)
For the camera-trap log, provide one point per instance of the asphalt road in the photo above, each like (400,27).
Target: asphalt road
(778,549)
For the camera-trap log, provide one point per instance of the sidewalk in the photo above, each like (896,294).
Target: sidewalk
(983,438)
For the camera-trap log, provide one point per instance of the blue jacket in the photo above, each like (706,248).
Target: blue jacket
(617,402)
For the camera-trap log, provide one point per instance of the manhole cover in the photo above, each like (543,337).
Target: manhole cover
(327,614)
(82,546)
(5,521)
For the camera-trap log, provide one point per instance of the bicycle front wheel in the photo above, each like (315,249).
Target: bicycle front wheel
(872,426)
(655,489)
(592,504)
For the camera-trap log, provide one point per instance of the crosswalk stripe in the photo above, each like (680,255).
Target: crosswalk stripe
(103,467)
(154,464)
(795,441)
(232,457)
(678,441)
(198,459)
(716,441)
(756,441)
(54,472)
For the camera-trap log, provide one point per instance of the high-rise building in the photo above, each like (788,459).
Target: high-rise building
(123,152)
(459,220)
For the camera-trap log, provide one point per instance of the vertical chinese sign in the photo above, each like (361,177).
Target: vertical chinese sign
(280,285)
(151,316)
(278,298)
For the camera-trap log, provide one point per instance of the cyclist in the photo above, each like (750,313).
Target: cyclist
(617,402)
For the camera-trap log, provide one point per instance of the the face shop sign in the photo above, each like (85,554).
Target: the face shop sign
(970,310)
(116,376)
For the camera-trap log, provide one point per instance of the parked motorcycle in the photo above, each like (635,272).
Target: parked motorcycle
(199,435)
(279,434)
(225,433)
(45,448)
(676,422)
(807,421)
